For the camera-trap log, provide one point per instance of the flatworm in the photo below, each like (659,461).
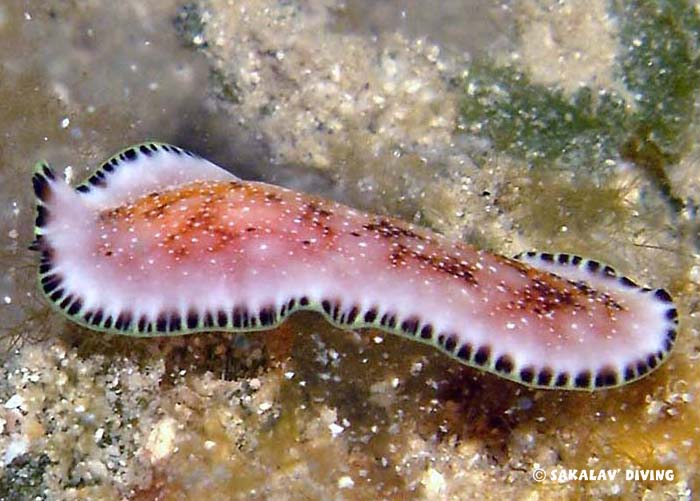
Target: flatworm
(159,241)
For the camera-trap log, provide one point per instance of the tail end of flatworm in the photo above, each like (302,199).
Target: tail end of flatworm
(592,273)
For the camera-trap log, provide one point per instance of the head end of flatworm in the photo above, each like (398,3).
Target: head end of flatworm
(144,168)
(43,178)
(68,226)
(58,208)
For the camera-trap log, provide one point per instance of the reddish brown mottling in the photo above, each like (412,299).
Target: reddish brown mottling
(242,226)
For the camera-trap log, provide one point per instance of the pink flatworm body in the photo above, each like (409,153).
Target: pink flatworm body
(159,241)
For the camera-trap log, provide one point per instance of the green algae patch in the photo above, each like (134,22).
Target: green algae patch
(540,124)
(561,206)
(659,64)
(594,128)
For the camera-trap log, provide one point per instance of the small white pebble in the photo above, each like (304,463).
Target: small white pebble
(99,433)
(378,339)
(434,483)
(335,429)
(13,234)
(209,445)
(14,402)
(695,273)
(161,440)
(15,449)
(265,406)
(7,299)
(65,123)
(289,375)
(255,384)
(345,482)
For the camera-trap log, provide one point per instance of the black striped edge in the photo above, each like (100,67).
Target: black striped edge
(100,177)
(591,266)
(240,319)
(42,179)
(167,323)
(486,357)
